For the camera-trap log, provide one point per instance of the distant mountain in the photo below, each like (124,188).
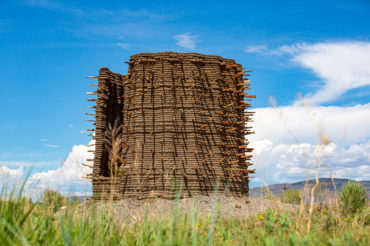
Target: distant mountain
(278,189)
(325,184)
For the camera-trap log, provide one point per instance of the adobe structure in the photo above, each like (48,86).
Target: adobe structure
(176,124)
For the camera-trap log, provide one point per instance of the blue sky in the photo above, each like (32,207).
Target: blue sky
(48,47)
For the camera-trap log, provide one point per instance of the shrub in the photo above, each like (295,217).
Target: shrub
(53,199)
(352,197)
(291,196)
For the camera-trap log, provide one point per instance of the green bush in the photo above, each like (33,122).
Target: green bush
(291,196)
(352,197)
(53,199)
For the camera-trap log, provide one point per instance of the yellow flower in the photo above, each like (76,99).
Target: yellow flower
(275,214)
(261,217)
(197,224)
(345,219)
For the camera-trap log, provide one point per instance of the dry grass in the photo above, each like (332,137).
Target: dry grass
(131,211)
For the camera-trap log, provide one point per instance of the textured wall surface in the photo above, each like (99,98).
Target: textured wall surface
(180,124)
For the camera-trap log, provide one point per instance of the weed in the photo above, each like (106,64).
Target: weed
(53,200)
(352,197)
(291,196)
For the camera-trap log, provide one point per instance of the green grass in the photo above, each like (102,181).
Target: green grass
(25,223)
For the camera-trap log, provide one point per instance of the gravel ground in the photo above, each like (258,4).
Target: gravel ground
(132,210)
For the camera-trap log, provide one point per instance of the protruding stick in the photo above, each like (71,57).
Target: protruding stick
(93,77)
(90,166)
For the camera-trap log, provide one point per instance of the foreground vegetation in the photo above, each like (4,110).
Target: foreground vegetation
(55,221)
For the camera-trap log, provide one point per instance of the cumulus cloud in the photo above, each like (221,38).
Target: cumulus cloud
(278,163)
(10,178)
(6,173)
(68,176)
(66,179)
(255,48)
(292,124)
(287,144)
(342,66)
(185,40)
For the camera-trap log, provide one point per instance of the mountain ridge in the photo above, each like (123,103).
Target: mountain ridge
(325,184)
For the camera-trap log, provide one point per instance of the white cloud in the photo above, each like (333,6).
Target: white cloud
(185,40)
(123,45)
(66,179)
(51,146)
(293,124)
(342,66)
(287,144)
(10,178)
(43,140)
(6,172)
(255,48)
(68,176)
(278,163)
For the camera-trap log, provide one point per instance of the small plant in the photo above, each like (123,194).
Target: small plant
(270,196)
(352,197)
(291,196)
(54,200)
(274,221)
(113,145)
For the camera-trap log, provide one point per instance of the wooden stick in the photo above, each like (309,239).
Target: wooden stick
(93,77)
(87,165)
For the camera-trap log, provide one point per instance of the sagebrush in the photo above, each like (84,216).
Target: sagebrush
(352,197)
(291,196)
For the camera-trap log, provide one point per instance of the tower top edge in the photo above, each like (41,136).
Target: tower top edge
(178,55)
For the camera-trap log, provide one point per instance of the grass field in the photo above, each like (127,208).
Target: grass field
(56,221)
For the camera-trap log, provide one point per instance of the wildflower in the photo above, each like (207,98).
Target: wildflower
(325,140)
(197,224)
(261,217)
(275,214)
(346,219)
